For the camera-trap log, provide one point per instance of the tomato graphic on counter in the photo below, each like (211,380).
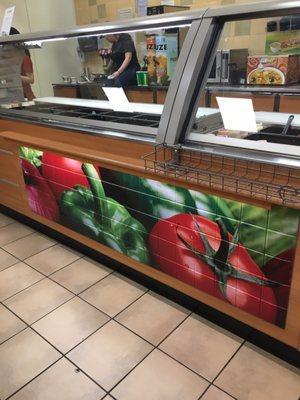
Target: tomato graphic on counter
(40,197)
(202,253)
(62,173)
(239,253)
(280,270)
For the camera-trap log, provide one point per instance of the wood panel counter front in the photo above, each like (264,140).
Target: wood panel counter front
(239,256)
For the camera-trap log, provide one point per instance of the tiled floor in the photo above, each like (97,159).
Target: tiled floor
(72,329)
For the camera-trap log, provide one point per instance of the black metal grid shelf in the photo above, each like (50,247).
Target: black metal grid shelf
(255,180)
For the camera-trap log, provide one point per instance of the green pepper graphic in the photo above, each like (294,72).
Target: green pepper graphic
(103,219)
(148,199)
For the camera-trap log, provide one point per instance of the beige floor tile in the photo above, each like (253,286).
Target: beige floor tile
(214,393)
(21,359)
(6,260)
(29,245)
(113,294)
(152,317)
(52,259)
(61,382)
(80,275)
(13,232)
(79,255)
(109,354)
(9,324)
(69,324)
(160,377)
(16,278)
(201,346)
(39,299)
(5,220)
(255,375)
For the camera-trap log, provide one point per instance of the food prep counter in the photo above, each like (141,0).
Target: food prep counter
(159,191)
(267,98)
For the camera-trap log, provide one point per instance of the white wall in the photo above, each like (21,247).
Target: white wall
(56,58)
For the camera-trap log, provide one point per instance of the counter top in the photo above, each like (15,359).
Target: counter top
(261,116)
(292,89)
(134,87)
(65,84)
(102,104)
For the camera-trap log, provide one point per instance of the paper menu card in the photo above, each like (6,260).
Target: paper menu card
(237,114)
(118,99)
(7,21)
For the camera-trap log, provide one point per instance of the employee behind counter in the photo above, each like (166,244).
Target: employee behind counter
(123,63)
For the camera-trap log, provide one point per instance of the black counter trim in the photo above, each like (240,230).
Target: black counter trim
(213,87)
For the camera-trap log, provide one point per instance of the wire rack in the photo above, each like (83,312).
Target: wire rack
(260,181)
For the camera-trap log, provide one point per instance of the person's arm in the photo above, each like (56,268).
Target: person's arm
(28,78)
(109,66)
(126,62)
(27,75)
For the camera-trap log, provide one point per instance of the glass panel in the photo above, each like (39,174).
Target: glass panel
(11,90)
(72,76)
(258,60)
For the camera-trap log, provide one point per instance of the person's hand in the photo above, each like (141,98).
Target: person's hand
(115,75)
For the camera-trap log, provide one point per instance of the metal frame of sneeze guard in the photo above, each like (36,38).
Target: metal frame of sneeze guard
(122,130)
(183,97)
(169,20)
(190,75)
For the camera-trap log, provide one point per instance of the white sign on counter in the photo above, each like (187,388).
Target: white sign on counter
(118,99)
(237,114)
(7,21)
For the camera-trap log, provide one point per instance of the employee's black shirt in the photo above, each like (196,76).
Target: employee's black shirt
(123,45)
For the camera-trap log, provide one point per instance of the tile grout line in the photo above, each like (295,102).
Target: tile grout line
(9,223)
(155,347)
(120,312)
(22,290)
(111,273)
(74,296)
(230,359)
(34,254)
(77,294)
(221,370)
(31,380)
(15,334)
(4,269)
(65,355)
(44,277)
(47,276)
(98,329)
(110,319)
(59,351)
(15,240)
(2,302)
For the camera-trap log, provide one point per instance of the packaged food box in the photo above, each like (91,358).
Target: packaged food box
(273,70)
